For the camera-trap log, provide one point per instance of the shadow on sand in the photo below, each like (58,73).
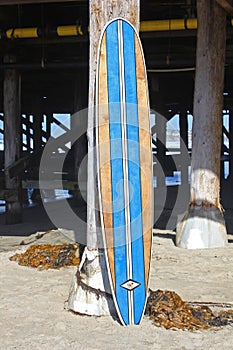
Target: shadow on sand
(36,219)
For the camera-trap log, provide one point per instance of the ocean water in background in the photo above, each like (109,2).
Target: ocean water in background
(170,180)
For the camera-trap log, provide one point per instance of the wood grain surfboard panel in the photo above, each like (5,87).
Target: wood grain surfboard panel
(124,166)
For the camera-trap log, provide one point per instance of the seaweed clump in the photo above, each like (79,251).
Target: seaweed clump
(49,256)
(168,310)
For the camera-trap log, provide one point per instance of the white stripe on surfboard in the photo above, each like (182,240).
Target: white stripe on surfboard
(125,170)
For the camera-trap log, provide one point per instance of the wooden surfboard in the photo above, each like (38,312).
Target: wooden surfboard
(124,167)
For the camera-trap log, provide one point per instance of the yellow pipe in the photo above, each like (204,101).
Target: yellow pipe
(191,23)
(68,30)
(162,25)
(168,24)
(22,33)
(73,30)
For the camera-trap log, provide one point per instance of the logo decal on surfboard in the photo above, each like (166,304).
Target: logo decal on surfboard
(130,285)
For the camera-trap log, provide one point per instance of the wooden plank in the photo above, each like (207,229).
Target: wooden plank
(18,167)
(145,156)
(12,140)
(226,6)
(104,161)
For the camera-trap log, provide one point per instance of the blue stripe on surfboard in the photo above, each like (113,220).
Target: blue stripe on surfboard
(118,205)
(134,171)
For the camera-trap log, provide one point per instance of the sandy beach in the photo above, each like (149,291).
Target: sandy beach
(33,314)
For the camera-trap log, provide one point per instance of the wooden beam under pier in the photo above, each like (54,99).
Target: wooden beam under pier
(12,140)
(226,5)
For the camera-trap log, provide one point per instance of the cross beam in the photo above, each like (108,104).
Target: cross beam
(226,6)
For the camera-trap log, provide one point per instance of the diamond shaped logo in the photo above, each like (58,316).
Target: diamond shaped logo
(130,285)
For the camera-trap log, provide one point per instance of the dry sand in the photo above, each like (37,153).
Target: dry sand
(32,313)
